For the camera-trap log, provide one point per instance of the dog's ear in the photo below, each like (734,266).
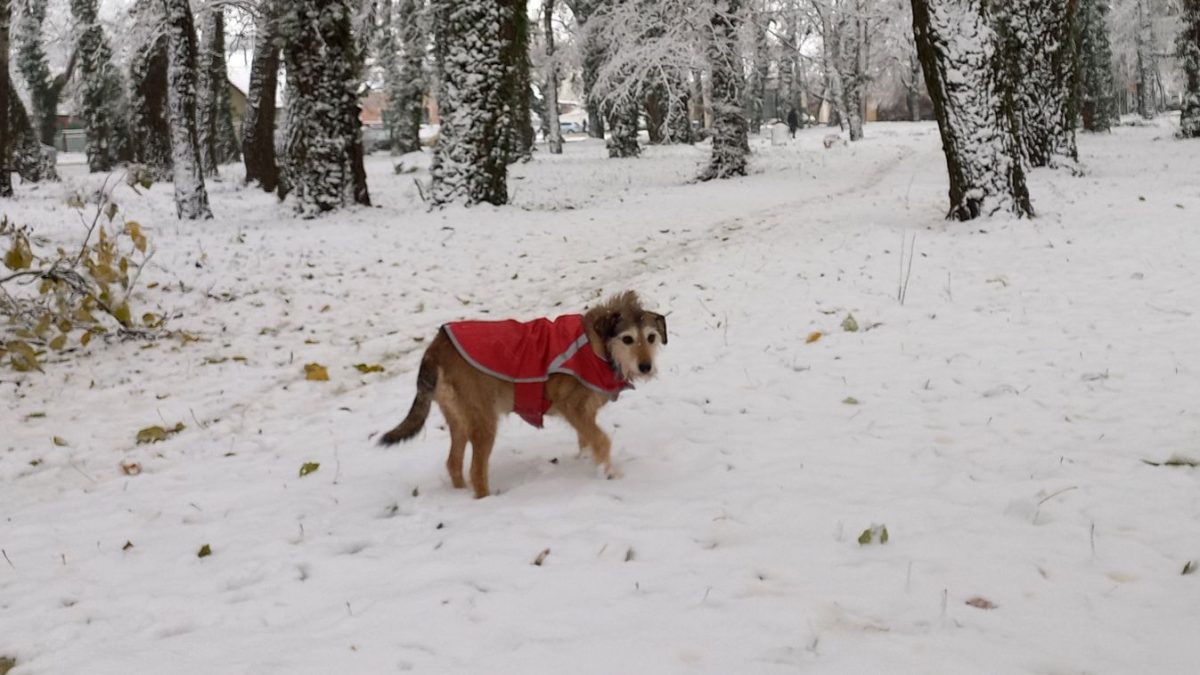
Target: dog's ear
(606,325)
(660,324)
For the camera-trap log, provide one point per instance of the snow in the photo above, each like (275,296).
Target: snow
(1004,410)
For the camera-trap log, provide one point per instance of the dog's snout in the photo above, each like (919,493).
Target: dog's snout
(644,367)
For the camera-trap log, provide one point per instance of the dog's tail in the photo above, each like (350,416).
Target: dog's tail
(427,379)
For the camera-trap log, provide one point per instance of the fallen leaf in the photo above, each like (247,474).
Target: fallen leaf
(156,433)
(981,603)
(813,337)
(131,468)
(308,467)
(541,557)
(58,440)
(204,551)
(369,368)
(316,372)
(850,324)
(128,545)
(850,400)
(1189,567)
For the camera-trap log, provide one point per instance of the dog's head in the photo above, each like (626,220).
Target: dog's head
(631,336)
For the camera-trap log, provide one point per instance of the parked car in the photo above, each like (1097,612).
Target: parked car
(570,127)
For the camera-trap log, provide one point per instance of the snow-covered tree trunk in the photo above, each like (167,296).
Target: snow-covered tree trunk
(33,161)
(32,62)
(404,68)
(554,140)
(831,50)
(470,160)
(622,116)
(729,144)
(1096,76)
(191,198)
(517,82)
(964,76)
(757,89)
(99,87)
(855,78)
(1188,47)
(593,57)
(149,128)
(324,163)
(6,93)
(218,141)
(654,103)
(679,123)
(258,124)
(912,87)
(1038,46)
(1147,62)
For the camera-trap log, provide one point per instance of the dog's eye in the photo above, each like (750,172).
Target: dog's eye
(651,338)
(627,340)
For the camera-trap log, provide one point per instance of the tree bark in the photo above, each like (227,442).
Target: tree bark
(1147,64)
(974,108)
(6,188)
(554,140)
(729,141)
(150,130)
(1188,47)
(99,87)
(258,125)
(470,158)
(406,76)
(191,198)
(324,164)
(518,90)
(593,58)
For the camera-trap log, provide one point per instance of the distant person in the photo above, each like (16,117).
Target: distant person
(793,121)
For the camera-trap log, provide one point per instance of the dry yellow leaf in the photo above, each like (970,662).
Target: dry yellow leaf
(813,337)
(316,372)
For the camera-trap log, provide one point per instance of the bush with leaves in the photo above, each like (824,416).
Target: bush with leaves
(53,301)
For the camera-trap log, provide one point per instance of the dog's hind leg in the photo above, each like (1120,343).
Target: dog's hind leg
(483,436)
(592,436)
(459,435)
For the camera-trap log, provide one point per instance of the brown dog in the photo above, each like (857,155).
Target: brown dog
(570,367)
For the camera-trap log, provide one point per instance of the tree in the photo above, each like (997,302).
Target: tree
(964,74)
(517,83)
(845,38)
(324,152)
(554,138)
(1147,62)
(149,127)
(1096,88)
(258,124)
(100,89)
(593,49)
(44,91)
(729,144)
(1037,45)
(402,56)
(217,139)
(191,198)
(6,93)
(1188,47)
(470,158)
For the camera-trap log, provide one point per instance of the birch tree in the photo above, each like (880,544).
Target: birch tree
(554,140)
(191,197)
(964,74)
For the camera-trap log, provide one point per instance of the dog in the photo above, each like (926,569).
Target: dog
(569,367)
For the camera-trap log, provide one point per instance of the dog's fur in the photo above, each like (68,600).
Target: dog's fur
(472,401)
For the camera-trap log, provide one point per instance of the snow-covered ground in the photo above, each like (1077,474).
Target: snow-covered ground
(996,422)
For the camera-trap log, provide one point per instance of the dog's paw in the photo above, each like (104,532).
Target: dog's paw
(610,471)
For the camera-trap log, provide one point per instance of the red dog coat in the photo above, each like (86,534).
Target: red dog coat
(528,353)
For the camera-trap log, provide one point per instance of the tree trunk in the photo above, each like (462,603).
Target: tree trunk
(1037,44)
(31,61)
(1188,47)
(218,141)
(623,127)
(914,87)
(470,161)
(258,124)
(553,129)
(516,82)
(150,130)
(757,91)
(679,122)
(98,87)
(656,114)
(406,77)
(6,92)
(191,198)
(974,108)
(593,58)
(1147,64)
(729,143)
(324,164)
